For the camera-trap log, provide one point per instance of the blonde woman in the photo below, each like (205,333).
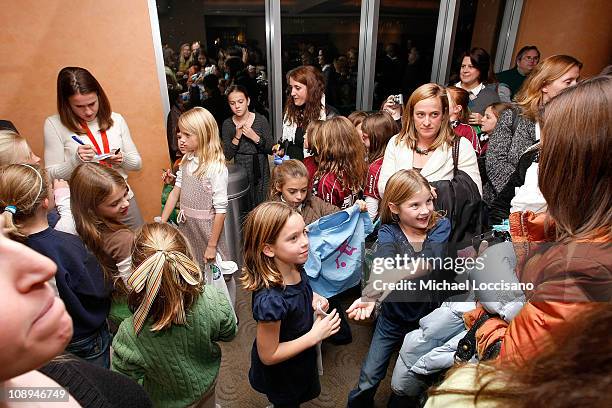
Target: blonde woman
(517,129)
(426,140)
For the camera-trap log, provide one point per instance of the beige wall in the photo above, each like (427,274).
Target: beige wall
(112,39)
(578,28)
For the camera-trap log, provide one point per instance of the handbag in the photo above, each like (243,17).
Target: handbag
(460,199)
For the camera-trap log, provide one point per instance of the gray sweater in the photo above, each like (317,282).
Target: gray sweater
(505,149)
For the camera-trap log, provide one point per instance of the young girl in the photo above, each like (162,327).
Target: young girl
(99,201)
(290,185)
(26,197)
(357,119)
(410,227)
(377,129)
(311,144)
(247,139)
(283,358)
(341,163)
(459,115)
(201,184)
(169,343)
(14,148)
(489,121)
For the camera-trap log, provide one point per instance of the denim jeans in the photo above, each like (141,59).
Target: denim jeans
(94,349)
(388,337)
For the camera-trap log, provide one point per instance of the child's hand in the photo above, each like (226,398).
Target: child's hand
(319,300)
(475,119)
(360,310)
(168,177)
(210,254)
(59,183)
(324,327)
(362,205)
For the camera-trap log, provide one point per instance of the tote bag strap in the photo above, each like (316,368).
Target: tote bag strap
(456,156)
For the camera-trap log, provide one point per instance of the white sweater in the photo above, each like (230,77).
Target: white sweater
(438,167)
(61,151)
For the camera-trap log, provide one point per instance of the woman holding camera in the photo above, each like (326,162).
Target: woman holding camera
(426,140)
(85,130)
(306,102)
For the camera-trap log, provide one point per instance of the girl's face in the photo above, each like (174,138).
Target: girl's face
(186,51)
(35,324)
(85,107)
(489,120)
(453,109)
(570,78)
(202,60)
(415,212)
(188,142)
(428,117)
(468,73)
(291,246)
(294,191)
(239,103)
(364,137)
(115,206)
(299,92)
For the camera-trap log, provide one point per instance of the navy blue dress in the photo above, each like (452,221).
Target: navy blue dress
(296,380)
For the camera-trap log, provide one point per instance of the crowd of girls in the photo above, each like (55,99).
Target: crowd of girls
(141,287)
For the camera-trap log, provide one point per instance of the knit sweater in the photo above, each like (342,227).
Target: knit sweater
(178,365)
(505,149)
(61,156)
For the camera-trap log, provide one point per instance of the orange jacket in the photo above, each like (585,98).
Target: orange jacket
(566,277)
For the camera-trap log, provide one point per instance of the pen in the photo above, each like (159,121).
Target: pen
(76,139)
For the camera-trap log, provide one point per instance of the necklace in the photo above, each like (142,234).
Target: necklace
(422,151)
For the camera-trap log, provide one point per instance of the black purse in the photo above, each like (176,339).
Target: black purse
(460,199)
(467,345)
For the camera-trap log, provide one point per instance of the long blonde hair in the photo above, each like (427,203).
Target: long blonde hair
(90,185)
(24,188)
(340,151)
(176,296)
(530,97)
(201,123)
(13,148)
(401,187)
(262,226)
(409,134)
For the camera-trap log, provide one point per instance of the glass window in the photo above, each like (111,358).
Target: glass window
(224,43)
(326,35)
(478,25)
(405,46)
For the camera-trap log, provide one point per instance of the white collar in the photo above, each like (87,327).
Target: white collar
(192,158)
(537,131)
(474,91)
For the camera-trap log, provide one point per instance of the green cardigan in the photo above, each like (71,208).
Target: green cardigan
(178,365)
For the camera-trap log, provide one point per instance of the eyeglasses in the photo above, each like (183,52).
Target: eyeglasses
(528,58)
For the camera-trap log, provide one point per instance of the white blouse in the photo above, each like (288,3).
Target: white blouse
(438,167)
(218,181)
